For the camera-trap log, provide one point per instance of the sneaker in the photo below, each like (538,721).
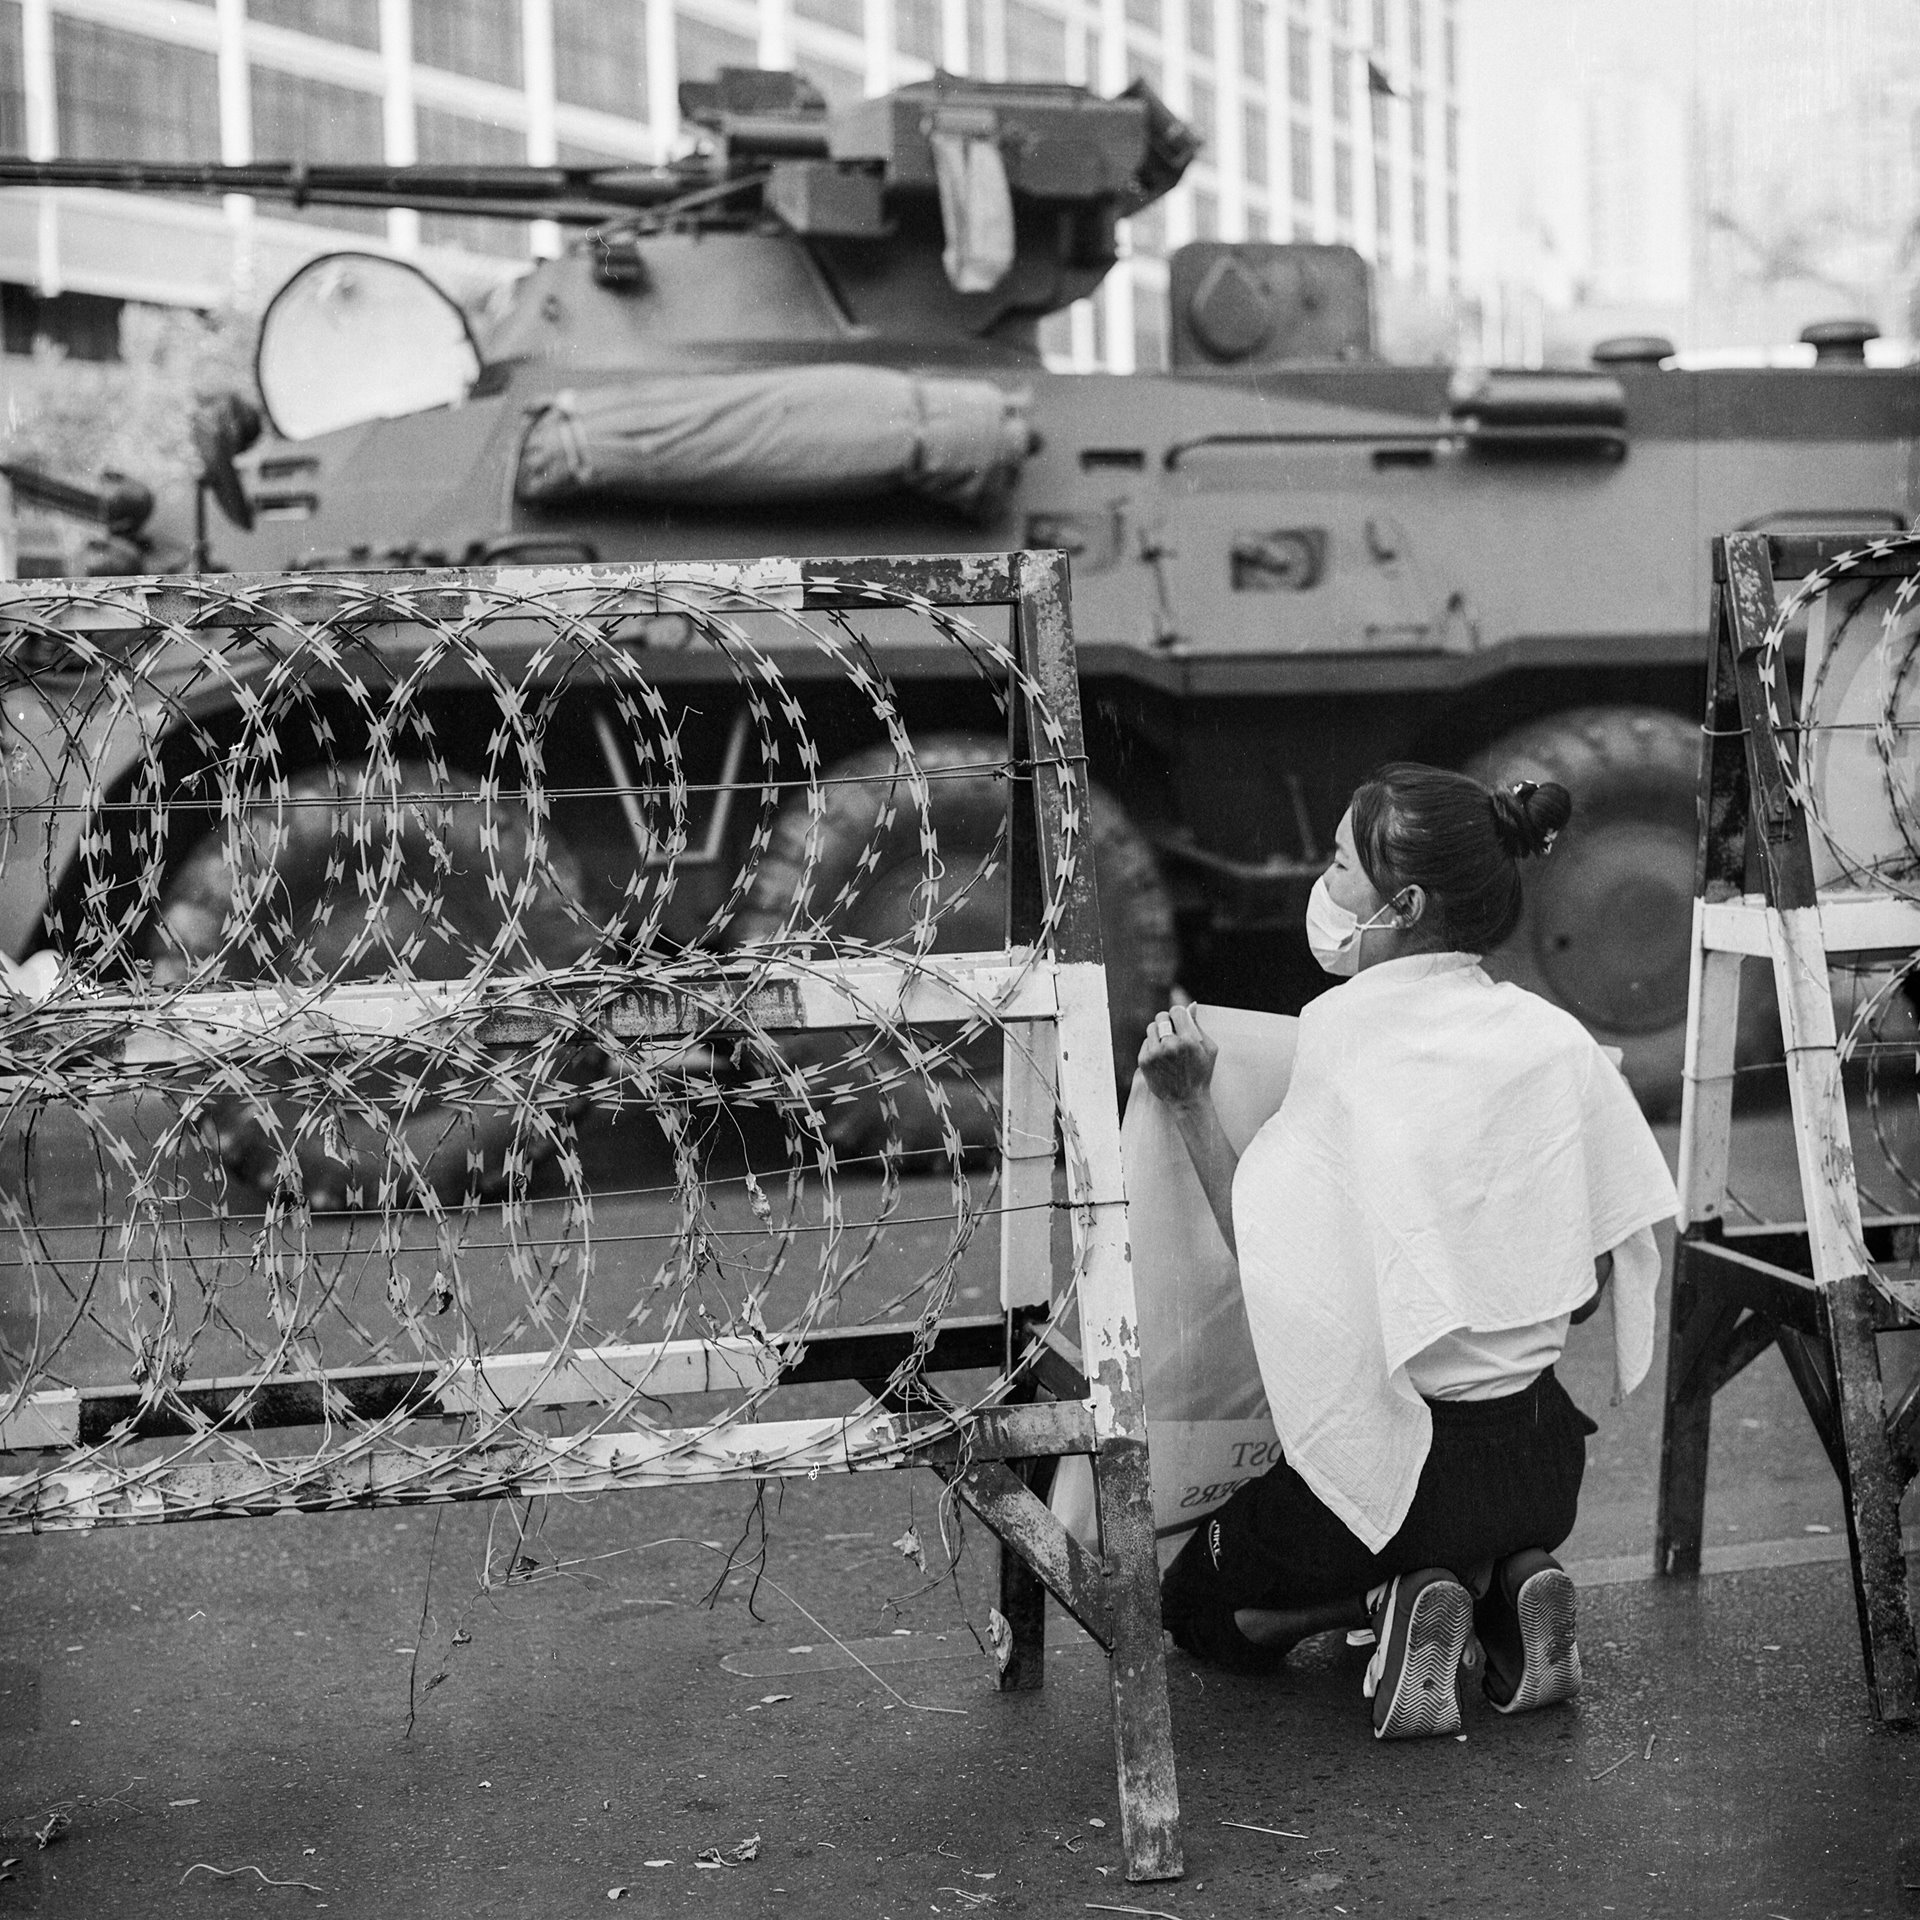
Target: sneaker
(1422,1621)
(1526,1624)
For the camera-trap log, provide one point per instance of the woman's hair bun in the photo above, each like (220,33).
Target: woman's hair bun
(1528,816)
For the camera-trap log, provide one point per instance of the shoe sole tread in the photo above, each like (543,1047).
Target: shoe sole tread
(1425,1698)
(1551,1671)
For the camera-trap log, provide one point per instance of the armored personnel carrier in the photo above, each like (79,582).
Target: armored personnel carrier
(818,334)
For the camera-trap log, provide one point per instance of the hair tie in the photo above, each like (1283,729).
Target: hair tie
(1521,792)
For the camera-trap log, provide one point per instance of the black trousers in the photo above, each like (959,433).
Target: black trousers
(1501,1475)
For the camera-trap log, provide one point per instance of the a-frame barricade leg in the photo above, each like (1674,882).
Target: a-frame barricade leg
(1809,1286)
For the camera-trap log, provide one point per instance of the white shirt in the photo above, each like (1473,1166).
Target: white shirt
(1451,1157)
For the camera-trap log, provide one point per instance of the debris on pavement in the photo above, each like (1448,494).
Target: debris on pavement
(228,1873)
(711,1857)
(56,1828)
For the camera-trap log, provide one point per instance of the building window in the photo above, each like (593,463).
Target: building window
(1200,27)
(1253,39)
(1342,85)
(480,38)
(1299,65)
(1036,44)
(1419,190)
(1417,125)
(703,50)
(1377,104)
(916,30)
(1253,142)
(1147,230)
(356,23)
(1302,155)
(839,86)
(1206,214)
(1450,49)
(457,140)
(1383,210)
(1203,115)
(121,96)
(1416,35)
(1453,141)
(1144,13)
(1143,66)
(1149,330)
(1340,12)
(1453,228)
(1257,228)
(850,16)
(1342,181)
(1379,26)
(600,56)
(13,85)
(295,118)
(84,326)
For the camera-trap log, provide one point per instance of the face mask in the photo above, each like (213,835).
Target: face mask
(1333,931)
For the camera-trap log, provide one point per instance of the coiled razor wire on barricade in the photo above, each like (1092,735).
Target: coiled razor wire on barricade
(319,1111)
(1849,758)
(317,1107)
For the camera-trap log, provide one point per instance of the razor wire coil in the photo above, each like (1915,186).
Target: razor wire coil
(236,804)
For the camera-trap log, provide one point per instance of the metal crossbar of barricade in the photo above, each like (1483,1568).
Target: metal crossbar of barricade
(307,1106)
(1809,860)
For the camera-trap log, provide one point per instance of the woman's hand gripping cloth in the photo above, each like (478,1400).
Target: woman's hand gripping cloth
(1452,1155)
(1208,1429)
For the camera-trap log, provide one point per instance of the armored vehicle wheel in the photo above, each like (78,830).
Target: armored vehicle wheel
(879,902)
(1608,915)
(346,883)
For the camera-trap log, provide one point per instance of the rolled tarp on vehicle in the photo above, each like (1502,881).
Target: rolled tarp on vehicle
(792,434)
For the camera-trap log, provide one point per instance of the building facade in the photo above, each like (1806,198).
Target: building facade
(1333,120)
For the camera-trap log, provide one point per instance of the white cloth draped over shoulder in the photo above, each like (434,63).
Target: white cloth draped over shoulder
(1452,1154)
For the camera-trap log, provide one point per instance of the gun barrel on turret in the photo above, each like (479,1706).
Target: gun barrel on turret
(581,196)
(828,170)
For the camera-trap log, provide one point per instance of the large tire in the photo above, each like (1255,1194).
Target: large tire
(312,920)
(967,809)
(1607,924)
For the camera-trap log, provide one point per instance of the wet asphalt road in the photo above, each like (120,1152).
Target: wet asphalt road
(236,1696)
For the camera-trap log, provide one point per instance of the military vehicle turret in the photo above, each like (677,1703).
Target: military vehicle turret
(818,333)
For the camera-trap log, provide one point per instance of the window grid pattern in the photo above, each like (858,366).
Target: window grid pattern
(600,56)
(917,29)
(1253,41)
(457,139)
(122,96)
(480,38)
(848,16)
(1253,141)
(298,118)
(13,81)
(1203,113)
(354,23)
(1301,155)
(702,50)
(1036,43)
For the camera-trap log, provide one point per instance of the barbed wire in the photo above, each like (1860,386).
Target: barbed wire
(342,1015)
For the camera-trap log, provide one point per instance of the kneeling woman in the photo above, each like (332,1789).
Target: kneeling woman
(1454,1173)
